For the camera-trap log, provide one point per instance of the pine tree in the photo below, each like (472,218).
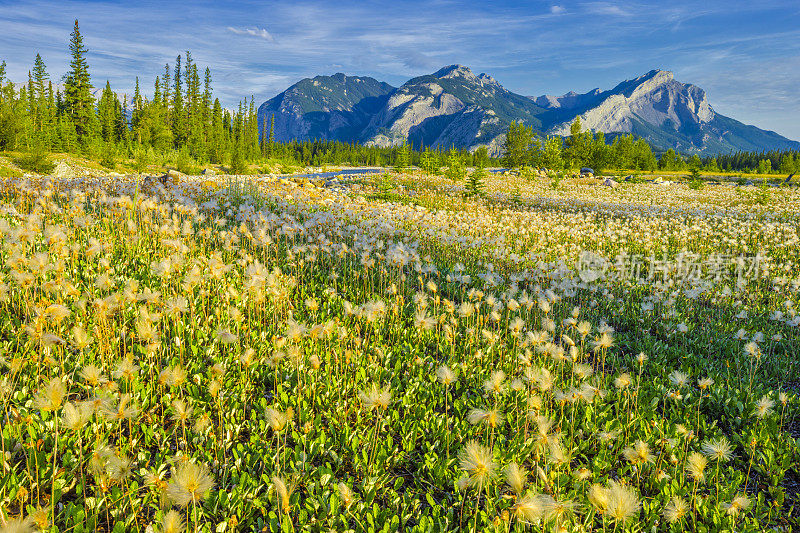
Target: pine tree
(252,130)
(402,157)
(428,162)
(455,166)
(178,113)
(38,100)
(264,140)
(106,114)
(271,145)
(668,160)
(216,148)
(12,114)
(123,128)
(40,76)
(77,88)
(137,114)
(474,185)
(206,121)
(50,116)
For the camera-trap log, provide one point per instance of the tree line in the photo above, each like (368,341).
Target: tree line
(765,162)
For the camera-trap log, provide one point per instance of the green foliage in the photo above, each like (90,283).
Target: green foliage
(141,159)
(555,179)
(456,170)
(187,165)
(429,162)
(517,145)
(36,159)
(385,184)
(8,172)
(528,172)
(237,165)
(578,146)
(402,157)
(474,183)
(670,160)
(108,155)
(480,158)
(77,89)
(551,154)
(695,180)
(785,161)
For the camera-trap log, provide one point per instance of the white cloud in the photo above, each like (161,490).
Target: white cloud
(557,10)
(605,8)
(261,33)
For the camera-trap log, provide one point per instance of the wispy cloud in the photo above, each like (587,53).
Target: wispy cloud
(557,10)
(261,33)
(605,8)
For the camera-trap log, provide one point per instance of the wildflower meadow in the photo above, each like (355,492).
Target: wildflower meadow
(398,354)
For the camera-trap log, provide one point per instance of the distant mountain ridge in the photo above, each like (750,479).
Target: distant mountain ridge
(454,107)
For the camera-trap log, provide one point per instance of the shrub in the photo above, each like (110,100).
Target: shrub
(141,158)
(695,181)
(186,164)
(36,160)
(8,172)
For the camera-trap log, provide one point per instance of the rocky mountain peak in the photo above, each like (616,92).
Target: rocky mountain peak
(455,71)
(454,107)
(485,78)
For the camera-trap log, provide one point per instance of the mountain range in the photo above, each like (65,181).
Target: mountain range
(454,107)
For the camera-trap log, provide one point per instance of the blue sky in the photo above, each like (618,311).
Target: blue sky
(745,54)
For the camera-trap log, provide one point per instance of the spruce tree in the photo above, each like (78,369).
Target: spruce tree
(178,113)
(106,112)
(136,114)
(206,121)
(428,162)
(40,76)
(166,94)
(271,145)
(216,133)
(252,130)
(474,185)
(77,88)
(50,117)
(264,137)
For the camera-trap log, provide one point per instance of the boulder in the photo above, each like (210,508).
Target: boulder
(629,177)
(611,183)
(63,171)
(208,172)
(749,182)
